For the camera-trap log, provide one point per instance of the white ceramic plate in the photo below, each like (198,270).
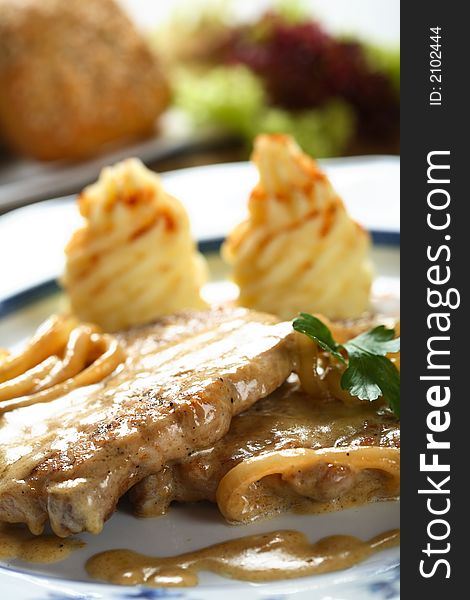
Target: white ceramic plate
(189,527)
(32,238)
(215,197)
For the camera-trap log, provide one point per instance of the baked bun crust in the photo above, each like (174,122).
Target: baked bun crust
(74,76)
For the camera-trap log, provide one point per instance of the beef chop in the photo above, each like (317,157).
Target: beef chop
(185,376)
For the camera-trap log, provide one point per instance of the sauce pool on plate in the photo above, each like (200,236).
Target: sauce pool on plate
(17,543)
(281,554)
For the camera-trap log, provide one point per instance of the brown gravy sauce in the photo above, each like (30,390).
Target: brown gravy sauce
(16,542)
(267,557)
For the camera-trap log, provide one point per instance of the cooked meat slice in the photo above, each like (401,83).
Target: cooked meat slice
(186,375)
(286,419)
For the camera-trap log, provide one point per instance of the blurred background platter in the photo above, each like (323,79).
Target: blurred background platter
(326,72)
(24,181)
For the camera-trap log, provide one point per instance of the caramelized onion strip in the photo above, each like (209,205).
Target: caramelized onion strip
(307,367)
(234,486)
(50,339)
(26,382)
(88,357)
(332,379)
(75,359)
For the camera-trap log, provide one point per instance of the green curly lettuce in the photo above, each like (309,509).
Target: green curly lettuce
(233,98)
(227,97)
(320,132)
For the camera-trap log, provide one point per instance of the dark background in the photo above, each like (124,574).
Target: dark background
(423,129)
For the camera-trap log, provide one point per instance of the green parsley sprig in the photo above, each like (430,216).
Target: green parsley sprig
(369,373)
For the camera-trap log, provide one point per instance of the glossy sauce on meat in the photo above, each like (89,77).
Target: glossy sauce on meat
(287,419)
(71,459)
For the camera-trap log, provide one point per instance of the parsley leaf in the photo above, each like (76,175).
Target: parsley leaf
(317,331)
(370,376)
(369,373)
(379,341)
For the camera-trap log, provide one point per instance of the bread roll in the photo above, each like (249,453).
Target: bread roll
(74,75)
(134,259)
(299,250)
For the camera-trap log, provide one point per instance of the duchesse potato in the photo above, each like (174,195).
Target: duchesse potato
(299,250)
(134,259)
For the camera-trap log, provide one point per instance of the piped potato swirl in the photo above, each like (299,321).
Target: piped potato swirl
(299,250)
(134,260)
